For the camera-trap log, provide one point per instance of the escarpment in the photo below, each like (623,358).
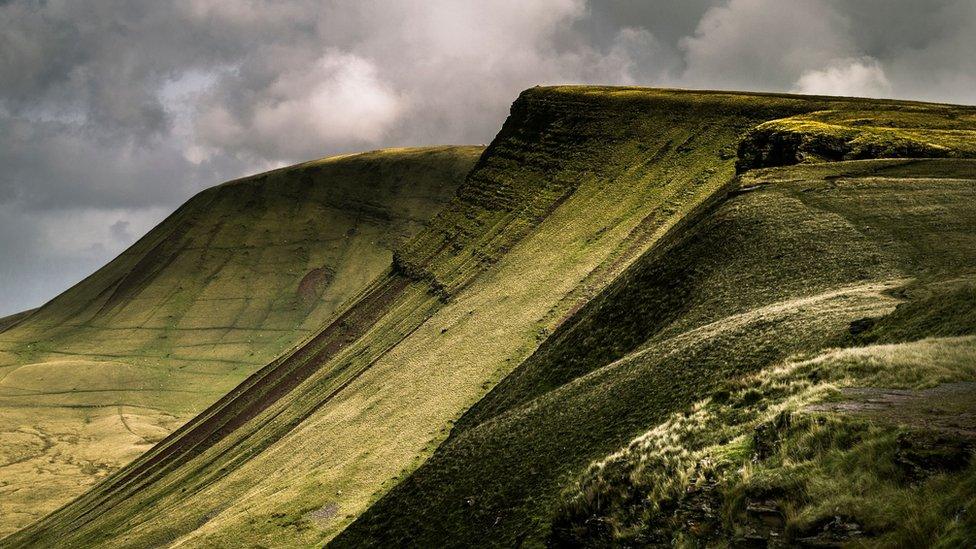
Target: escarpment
(612,261)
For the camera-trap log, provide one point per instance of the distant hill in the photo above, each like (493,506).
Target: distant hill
(238,274)
(646,317)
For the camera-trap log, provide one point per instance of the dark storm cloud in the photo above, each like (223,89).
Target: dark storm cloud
(114,111)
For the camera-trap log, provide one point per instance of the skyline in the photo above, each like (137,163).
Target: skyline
(114,113)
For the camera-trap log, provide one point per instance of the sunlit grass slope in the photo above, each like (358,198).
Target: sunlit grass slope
(579,184)
(655,415)
(240,273)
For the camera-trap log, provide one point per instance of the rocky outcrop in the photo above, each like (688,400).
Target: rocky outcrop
(782,143)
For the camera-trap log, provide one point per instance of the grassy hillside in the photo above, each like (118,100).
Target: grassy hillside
(578,183)
(657,411)
(240,273)
(598,225)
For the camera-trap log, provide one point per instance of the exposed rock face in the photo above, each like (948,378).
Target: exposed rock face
(773,145)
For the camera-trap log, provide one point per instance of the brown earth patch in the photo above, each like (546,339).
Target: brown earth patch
(325,513)
(949,408)
(315,282)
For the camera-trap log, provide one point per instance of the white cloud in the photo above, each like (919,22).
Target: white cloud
(339,100)
(863,77)
(763,44)
(412,72)
(341,97)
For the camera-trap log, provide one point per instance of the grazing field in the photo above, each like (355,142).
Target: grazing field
(239,274)
(597,341)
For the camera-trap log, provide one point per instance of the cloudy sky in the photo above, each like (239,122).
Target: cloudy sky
(113,112)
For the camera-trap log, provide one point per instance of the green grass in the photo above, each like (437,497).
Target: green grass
(507,262)
(762,440)
(776,272)
(98,375)
(596,269)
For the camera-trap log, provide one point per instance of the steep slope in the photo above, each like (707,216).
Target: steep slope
(240,273)
(579,184)
(772,280)
(867,438)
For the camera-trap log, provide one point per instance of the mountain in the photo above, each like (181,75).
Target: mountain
(237,275)
(646,315)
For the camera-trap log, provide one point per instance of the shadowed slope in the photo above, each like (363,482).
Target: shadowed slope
(238,274)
